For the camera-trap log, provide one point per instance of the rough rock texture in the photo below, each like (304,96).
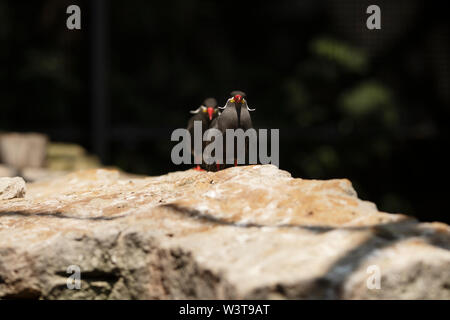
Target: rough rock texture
(11,188)
(246,232)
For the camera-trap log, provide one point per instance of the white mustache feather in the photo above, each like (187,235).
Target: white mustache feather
(197,110)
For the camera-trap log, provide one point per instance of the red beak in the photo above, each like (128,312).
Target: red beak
(238,98)
(210,112)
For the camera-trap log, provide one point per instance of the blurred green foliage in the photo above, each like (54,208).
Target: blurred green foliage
(369,99)
(350,58)
(335,88)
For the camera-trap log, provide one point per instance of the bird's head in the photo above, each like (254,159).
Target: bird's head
(237,96)
(211,109)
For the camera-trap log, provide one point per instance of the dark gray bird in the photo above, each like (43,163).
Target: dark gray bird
(235,115)
(206,113)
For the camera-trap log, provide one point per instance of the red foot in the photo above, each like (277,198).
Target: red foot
(218,166)
(198,168)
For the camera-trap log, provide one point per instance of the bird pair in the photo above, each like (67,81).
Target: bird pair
(234,115)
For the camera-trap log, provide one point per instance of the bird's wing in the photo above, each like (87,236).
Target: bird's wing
(214,124)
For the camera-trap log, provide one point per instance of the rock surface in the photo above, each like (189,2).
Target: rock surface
(247,232)
(11,188)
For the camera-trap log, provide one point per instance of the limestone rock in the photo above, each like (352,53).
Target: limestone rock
(246,232)
(20,150)
(11,188)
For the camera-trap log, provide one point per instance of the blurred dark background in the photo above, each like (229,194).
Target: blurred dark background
(368,105)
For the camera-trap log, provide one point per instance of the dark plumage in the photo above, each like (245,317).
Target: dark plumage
(235,115)
(206,113)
